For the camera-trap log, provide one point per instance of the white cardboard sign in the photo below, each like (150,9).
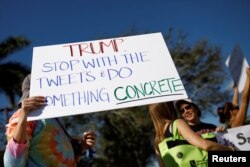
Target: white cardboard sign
(101,75)
(238,137)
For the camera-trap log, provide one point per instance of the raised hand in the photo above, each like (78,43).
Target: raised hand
(88,140)
(33,103)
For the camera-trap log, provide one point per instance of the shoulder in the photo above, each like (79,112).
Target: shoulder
(182,127)
(180,123)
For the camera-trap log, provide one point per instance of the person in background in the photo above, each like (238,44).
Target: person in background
(42,142)
(191,113)
(231,113)
(175,143)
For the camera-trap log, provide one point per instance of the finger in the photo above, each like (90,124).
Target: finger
(89,132)
(93,137)
(90,142)
(89,139)
(33,103)
(88,135)
(38,99)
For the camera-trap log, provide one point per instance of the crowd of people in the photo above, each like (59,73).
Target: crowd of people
(181,138)
(176,144)
(233,114)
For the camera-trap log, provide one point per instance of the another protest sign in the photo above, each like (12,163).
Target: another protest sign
(237,64)
(238,137)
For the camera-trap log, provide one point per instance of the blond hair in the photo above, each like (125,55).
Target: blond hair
(161,113)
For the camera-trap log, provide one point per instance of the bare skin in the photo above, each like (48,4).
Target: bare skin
(28,105)
(238,117)
(32,103)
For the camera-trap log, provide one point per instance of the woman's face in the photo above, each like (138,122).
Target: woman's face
(188,112)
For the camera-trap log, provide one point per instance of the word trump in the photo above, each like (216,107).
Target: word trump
(94,47)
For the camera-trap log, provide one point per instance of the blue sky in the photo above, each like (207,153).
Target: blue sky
(221,22)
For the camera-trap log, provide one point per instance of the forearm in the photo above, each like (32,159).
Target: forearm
(242,113)
(20,131)
(198,141)
(212,146)
(235,100)
(246,91)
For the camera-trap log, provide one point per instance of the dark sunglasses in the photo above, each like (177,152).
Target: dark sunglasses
(185,108)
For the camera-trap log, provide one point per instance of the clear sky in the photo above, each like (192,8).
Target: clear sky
(221,22)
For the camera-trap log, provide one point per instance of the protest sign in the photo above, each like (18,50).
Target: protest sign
(238,137)
(101,75)
(237,64)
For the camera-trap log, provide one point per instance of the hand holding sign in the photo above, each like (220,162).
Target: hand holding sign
(238,137)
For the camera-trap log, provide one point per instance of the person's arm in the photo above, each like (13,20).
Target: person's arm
(198,141)
(220,129)
(240,117)
(28,105)
(235,99)
(88,140)
(17,131)
(20,132)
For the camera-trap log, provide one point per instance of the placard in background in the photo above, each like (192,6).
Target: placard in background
(238,137)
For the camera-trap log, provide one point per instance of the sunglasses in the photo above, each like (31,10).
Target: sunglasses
(188,107)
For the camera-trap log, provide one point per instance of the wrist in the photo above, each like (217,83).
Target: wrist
(24,113)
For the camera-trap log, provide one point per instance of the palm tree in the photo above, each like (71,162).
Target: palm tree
(12,73)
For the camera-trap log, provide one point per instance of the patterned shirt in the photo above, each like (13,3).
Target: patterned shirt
(46,145)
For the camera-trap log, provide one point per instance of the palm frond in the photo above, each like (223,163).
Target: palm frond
(11,45)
